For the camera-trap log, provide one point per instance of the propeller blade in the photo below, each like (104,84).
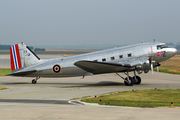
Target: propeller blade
(152,70)
(157,69)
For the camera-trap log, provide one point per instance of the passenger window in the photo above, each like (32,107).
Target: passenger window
(95,60)
(104,59)
(112,58)
(129,55)
(121,56)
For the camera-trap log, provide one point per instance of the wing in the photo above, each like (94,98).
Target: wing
(102,67)
(95,67)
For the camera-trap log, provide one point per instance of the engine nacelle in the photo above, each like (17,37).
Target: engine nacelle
(144,65)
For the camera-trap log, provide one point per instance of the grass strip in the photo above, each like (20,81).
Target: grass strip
(167,71)
(2,88)
(139,98)
(4,71)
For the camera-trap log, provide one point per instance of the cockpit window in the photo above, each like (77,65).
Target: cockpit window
(161,47)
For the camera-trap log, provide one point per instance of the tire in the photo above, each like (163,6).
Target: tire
(33,81)
(131,81)
(138,80)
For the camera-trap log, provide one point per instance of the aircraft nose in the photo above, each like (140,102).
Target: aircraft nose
(174,50)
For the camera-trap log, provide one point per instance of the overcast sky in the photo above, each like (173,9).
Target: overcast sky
(89,22)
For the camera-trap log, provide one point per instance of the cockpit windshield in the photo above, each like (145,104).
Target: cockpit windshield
(161,47)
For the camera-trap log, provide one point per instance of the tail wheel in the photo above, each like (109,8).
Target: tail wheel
(129,82)
(33,81)
(137,80)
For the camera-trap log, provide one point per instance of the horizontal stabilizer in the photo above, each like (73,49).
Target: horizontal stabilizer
(101,67)
(22,73)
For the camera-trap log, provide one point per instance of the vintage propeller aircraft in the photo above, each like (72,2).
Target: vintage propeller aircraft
(133,58)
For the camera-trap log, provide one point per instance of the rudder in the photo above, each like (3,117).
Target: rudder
(22,56)
(15,57)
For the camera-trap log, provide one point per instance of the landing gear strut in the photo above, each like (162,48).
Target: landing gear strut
(34,81)
(130,81)
(137,79)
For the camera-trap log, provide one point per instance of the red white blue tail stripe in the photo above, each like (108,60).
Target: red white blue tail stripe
(15,57)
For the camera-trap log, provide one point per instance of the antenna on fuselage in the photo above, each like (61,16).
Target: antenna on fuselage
(142,41)
(154,40)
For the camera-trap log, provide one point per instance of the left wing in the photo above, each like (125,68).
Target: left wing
(95,67)
(101,67)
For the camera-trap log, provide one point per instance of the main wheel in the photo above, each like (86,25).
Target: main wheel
(137,80)
(130,82)
(33,81)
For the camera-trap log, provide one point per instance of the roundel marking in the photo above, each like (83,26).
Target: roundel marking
(56,68)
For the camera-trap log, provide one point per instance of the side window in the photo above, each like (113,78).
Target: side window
(95,60)
(129,55)
(112,58)
(121,56)
(104,59)
(158,47)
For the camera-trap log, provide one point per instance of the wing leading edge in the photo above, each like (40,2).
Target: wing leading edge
(101,67)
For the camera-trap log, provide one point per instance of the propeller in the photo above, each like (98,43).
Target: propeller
(157,69)
(152,62)
(152,70)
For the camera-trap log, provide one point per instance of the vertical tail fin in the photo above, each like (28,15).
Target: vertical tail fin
(15,57)
(22,56)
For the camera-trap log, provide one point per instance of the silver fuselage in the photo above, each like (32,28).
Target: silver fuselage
(68,69)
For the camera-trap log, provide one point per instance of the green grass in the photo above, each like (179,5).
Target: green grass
(167,71)
(4,71)
(2,88)
(139,98)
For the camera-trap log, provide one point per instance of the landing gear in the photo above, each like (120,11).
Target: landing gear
(34,81)
(130,81)
(137,79)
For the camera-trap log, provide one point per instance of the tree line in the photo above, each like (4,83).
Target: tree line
(7,47)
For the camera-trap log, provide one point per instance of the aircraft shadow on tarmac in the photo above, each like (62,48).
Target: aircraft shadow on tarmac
(71,85)
(65,85)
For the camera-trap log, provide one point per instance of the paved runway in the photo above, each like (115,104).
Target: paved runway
(51,98)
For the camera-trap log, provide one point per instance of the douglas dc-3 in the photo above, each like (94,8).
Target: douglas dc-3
(133,58)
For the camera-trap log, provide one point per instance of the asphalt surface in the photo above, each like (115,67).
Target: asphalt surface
(51,98)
